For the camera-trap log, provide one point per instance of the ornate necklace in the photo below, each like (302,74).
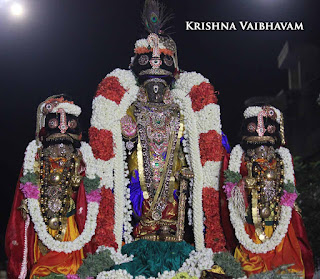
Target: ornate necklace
(55,191)
(158,128)
(265,177)
(237,209)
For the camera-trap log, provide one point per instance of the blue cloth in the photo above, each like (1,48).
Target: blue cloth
(136,195)
(225,143)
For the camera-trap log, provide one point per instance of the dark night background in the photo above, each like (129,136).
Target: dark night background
(69,46)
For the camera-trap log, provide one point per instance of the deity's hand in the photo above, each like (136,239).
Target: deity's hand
(24,209)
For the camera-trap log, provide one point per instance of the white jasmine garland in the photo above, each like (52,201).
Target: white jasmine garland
(37,219)
(211,172)
(107,115)
(194,151)
(193,265)
(209,119)
(286,211)
(116,256)
(68,108)
(63,246)
(253,111)
(189,79)
(29,158)
(114,274)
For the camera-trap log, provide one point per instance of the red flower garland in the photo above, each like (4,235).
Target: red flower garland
(101,142)
(111,89)
(202,95)
(105,221)
(210,147)
(214,237)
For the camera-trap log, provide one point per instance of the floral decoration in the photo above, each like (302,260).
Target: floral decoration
(105,220)
(32,195)
(30,191)
(237,213)
(214,237)
(202,95)
(288,199)
(111,89)
(206,142)
(101,142)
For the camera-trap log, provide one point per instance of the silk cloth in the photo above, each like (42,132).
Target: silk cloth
(152,257)
(14,242)
(287,252)
(296,234)
(55,262)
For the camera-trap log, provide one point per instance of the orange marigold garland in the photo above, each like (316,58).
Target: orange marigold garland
(105,221)
(210,147)
(214,237)
(101,142)
(111,89)
(202,95)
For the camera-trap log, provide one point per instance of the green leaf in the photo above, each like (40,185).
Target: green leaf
(289,187)
(91,184)
(280,272)
(231,176)
(229,264)
(95,263)
(29,177)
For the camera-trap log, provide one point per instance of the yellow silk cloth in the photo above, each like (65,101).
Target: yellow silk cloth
(55,262)
(287,252)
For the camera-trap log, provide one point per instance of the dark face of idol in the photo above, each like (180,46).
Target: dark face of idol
(142,67)
(270,136)
(58,131)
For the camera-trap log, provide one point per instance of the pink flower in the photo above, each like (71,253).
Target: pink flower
(228,188)
(30,191)
(288,199)
(94,196)
(73,276)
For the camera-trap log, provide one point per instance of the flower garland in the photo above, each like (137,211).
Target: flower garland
(236,216)
(32,192)
(214,237)
(197,101)
(253,111)
(196,125)
(197,261)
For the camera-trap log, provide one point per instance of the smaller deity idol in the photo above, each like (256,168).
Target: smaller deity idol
(261,193)
(45,233)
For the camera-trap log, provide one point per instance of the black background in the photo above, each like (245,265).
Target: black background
(68,46)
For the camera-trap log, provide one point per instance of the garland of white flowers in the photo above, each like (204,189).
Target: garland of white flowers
(285,216)
(193,265)
(195,122)
(37,219)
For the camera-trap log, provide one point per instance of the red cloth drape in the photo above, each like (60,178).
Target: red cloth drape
(14,242)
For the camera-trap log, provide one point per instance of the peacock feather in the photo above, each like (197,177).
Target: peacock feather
(154,16)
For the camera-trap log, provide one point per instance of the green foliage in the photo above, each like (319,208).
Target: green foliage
(289,187)
(29,177)
(308,184)
(231,176)
(91,184)
(280,272)
(52,276)
(229,264)
(95,263)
